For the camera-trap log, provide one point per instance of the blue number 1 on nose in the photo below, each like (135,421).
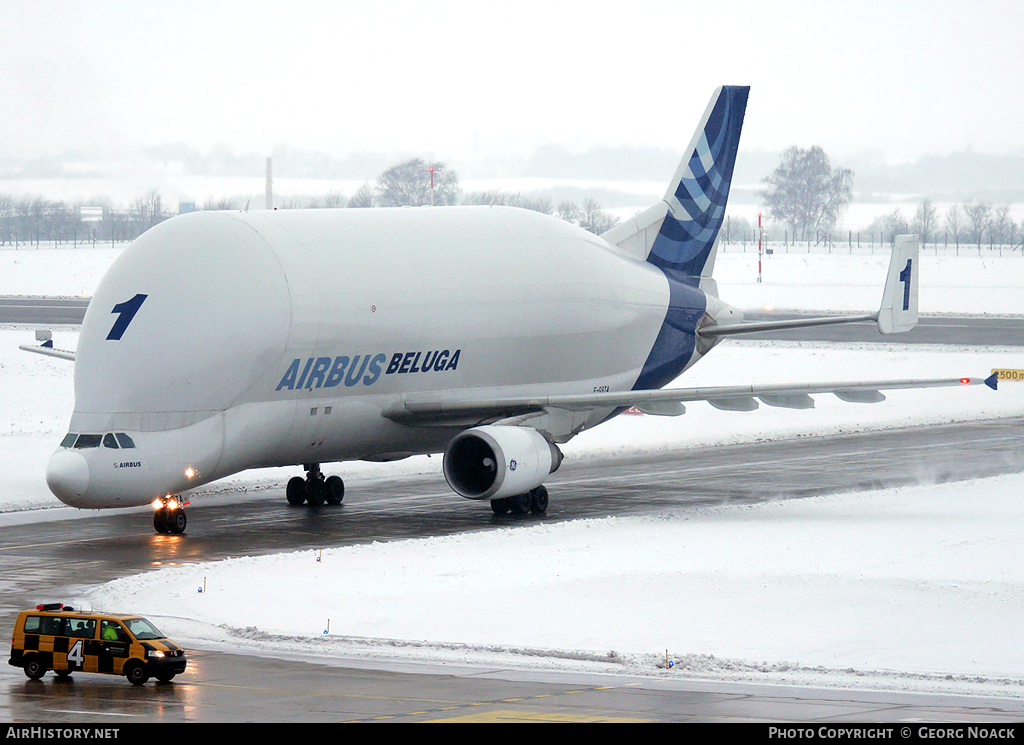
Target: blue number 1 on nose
(126,312)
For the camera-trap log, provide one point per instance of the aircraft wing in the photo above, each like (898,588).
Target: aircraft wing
(663,402)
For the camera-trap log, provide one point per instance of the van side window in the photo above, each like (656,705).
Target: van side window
(111,631)
(50,626)
(109,441)
(83,628)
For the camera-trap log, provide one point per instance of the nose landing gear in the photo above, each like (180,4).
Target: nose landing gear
(170,516)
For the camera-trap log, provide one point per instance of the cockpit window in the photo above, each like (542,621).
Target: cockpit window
(69,440)
(109,441)
(124,440)
(88,441)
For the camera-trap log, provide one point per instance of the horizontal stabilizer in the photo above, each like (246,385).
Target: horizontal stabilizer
(897,313)
(754,327)
(49,351)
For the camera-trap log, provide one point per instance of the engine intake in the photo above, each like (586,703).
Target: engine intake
(495,461)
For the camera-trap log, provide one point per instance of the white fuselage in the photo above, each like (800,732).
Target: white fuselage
(277,338)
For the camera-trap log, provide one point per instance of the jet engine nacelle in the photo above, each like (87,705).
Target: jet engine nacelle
(496,461)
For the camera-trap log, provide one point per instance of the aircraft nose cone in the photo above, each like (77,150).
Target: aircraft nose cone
(67,475)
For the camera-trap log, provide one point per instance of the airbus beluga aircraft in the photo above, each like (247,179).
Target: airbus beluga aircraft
(222,341)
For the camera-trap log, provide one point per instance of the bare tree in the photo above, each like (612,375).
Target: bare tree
(333,200)
(570,212)
(537,204)
(978,217)
(806,193)
(416,183)
(952,223)
(735,228)
(896,224)
(1001,225)
(223,203)
(363,197)
(925,221)
(595,219)
(6,218)
(147,211)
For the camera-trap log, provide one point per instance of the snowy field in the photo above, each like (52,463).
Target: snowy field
(972,285)
(917,588)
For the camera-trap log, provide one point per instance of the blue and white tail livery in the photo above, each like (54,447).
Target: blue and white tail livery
(678,234)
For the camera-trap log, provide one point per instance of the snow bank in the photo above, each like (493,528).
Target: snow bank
(908,588)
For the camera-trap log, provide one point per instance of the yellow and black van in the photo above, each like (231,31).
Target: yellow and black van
(59,638)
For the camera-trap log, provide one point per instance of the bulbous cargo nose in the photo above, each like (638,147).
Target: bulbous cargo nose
(67,475)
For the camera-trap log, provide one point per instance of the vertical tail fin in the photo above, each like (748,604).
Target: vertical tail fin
(679,232)
(898,312)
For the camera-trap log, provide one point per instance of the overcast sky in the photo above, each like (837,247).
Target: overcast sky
(444,78)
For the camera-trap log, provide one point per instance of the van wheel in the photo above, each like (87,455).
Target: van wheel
(136,673)
(165,677)
(34,669)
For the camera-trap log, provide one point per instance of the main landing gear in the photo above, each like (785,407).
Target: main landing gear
(535,501)
(315,490)
(170,516)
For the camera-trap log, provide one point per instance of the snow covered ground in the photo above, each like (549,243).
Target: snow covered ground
(917,588)
(970,285)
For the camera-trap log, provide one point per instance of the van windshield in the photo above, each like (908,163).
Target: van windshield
(142,629)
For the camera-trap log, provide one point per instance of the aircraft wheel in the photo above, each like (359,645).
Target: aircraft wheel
(335,490)
(520,504)
(316,492)
(500,506)
(160,521)
(176,521)
(539,500)
(296,490)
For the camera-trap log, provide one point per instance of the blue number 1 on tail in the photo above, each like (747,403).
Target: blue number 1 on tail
(905,279)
